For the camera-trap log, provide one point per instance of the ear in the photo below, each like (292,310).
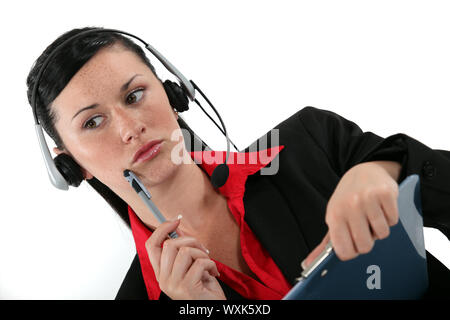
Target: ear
(86,174)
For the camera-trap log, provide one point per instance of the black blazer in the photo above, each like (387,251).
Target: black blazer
(286,211)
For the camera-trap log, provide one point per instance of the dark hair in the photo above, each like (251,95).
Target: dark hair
(64,65)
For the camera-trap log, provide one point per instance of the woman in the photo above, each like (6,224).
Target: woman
(103,104)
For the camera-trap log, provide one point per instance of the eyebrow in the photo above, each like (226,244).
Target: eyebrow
(95,105)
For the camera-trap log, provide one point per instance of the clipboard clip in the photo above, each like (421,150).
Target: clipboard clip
(317,261)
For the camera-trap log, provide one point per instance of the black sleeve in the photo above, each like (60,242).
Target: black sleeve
(133,286)
(346,145)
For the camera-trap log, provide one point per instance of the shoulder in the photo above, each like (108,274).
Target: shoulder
(314,119)
(316,124)
(310,113)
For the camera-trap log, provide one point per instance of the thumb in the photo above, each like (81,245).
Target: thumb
(315,253)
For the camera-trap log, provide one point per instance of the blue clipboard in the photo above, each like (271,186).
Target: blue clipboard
(395,268)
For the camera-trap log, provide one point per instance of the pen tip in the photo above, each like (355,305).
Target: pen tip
(126,173)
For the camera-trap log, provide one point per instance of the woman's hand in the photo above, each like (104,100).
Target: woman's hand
(361,209)
(182,266)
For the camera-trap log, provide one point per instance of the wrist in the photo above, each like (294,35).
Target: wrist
(393,168)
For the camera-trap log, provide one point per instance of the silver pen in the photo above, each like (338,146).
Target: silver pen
(142,191)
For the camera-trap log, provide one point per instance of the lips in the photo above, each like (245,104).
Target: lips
(148,151)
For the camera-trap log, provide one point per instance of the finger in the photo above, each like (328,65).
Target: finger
(389,204)
(360,232)
(342,241)
(195,272)
(170,251)
(153,244)
(315,253)
(180,232)
(185,258)
(377,220)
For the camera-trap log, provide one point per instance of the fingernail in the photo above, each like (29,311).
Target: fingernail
(179,217)
(204,248)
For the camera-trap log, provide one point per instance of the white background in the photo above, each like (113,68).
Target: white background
(382,64)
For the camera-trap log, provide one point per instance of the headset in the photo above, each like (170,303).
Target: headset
(64,171)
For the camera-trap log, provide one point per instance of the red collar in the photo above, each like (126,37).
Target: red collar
(240,164)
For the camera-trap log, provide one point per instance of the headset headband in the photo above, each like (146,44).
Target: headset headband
(187,86)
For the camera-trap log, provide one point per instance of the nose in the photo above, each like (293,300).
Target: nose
(130,128)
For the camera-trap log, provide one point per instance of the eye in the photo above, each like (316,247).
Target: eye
(134,96)
(93,123)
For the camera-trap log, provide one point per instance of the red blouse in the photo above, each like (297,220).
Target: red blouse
(272,284)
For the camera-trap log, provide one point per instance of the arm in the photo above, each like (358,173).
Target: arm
(393,168)
(346,145)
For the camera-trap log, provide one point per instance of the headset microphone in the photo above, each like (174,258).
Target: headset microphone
(64,171)
(220,175)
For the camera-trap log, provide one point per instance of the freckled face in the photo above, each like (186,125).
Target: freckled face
(104,137)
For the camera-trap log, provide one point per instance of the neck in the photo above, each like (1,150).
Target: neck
(188,192)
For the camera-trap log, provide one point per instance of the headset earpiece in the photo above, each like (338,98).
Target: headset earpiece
(69,169)
(176,95)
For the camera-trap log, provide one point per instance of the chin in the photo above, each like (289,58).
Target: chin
(158,170)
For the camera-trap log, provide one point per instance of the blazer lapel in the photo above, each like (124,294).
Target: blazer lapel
(271,220)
